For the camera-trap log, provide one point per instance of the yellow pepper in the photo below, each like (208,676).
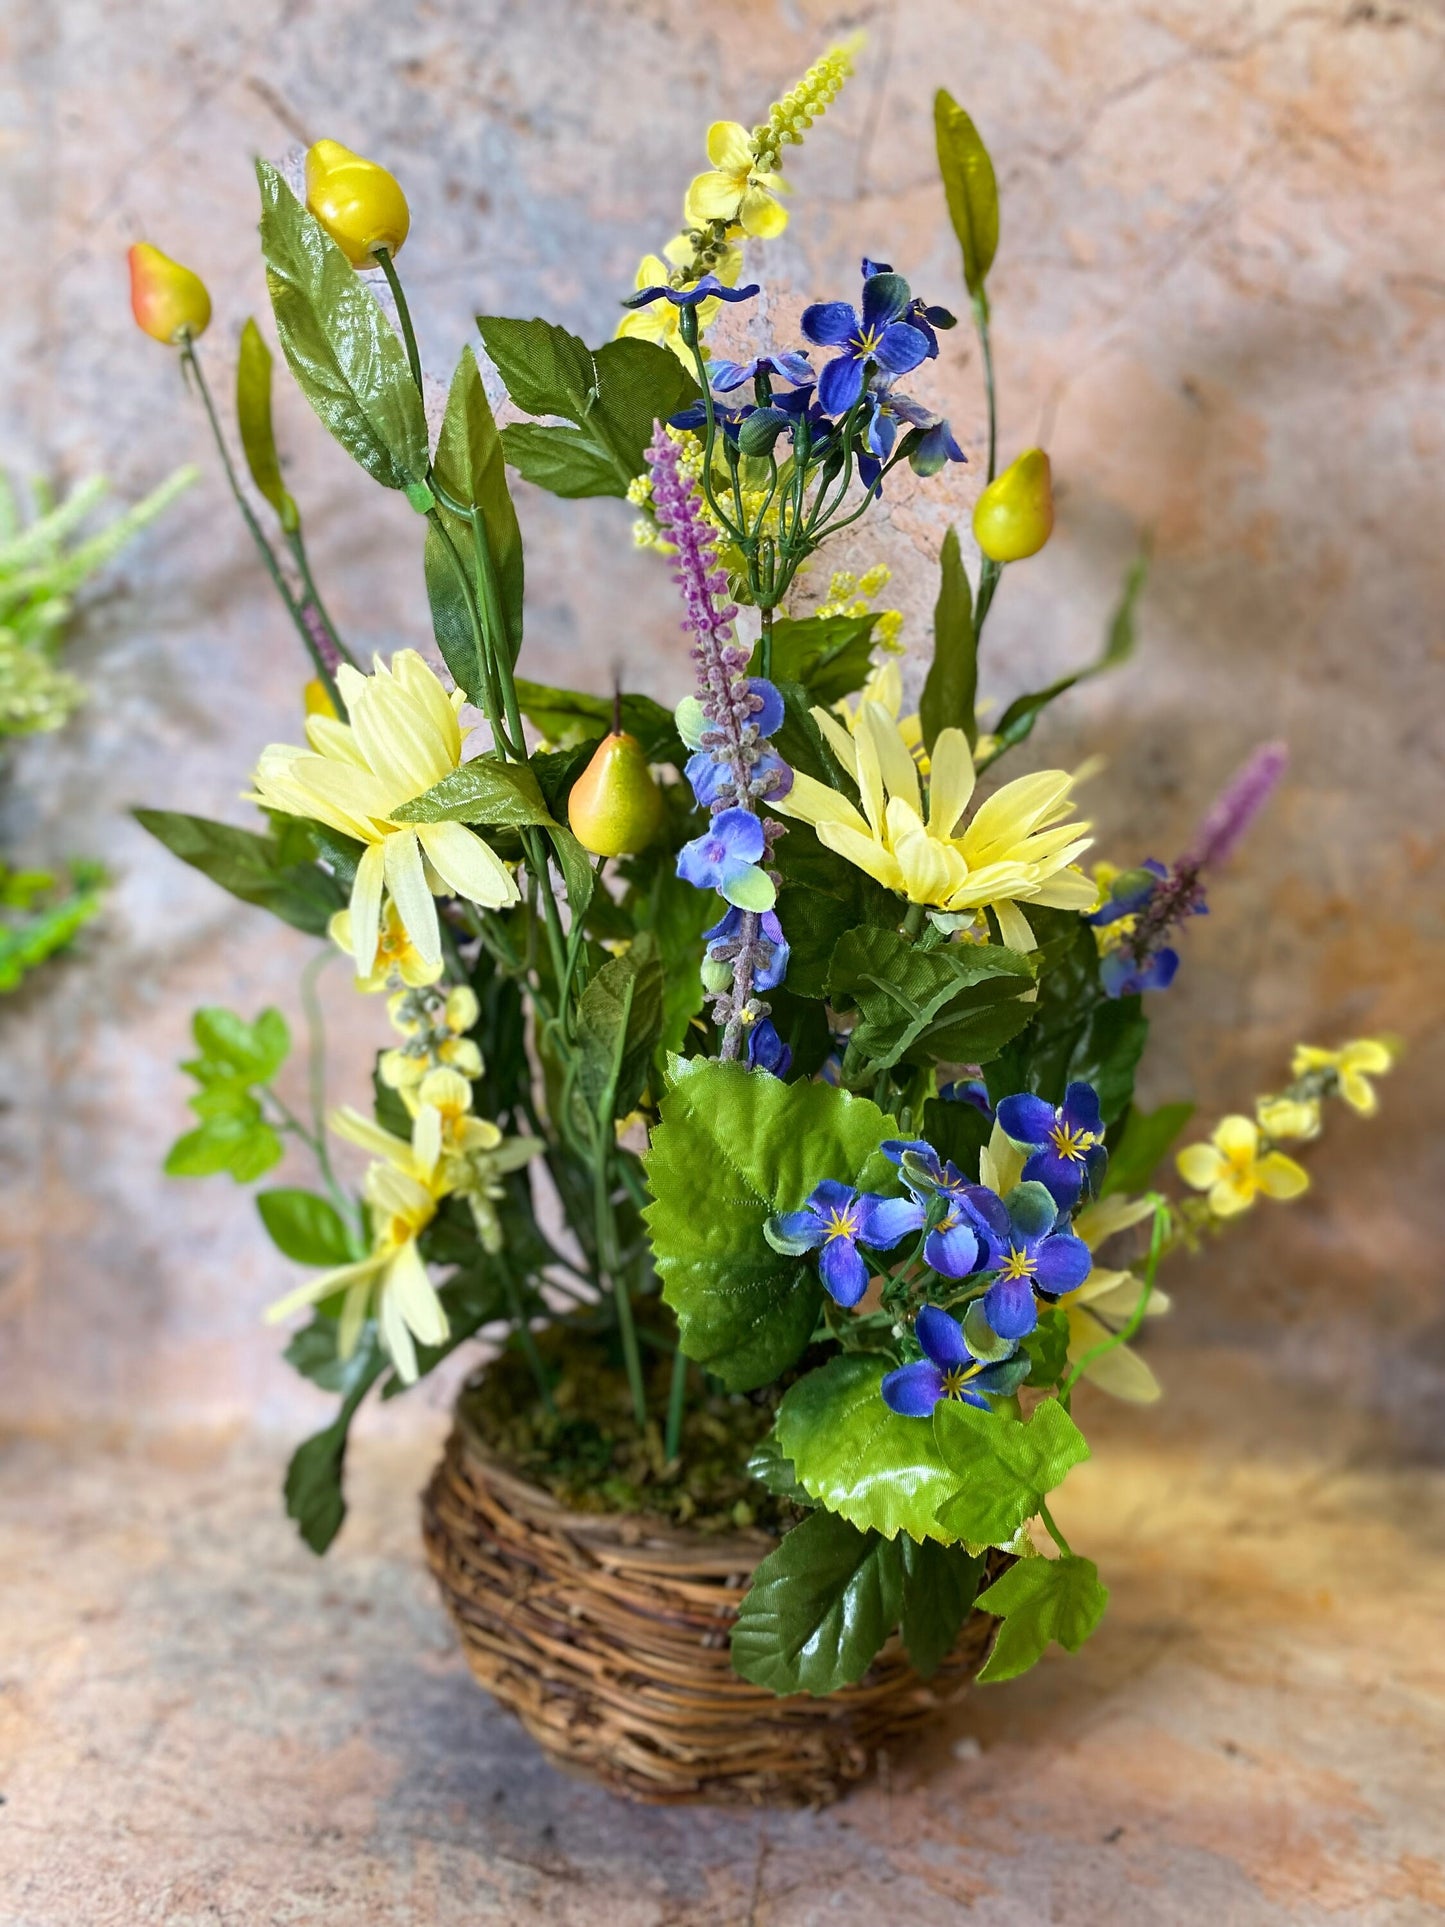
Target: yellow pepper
(1014,516)
(169,303)
(359,204)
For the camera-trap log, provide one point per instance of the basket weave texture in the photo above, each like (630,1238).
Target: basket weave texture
(607,1636)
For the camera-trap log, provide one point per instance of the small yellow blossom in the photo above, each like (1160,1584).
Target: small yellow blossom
(1232,1171)
(1354,1064)
(396,955)
(1288,1116)
(434,1026)
(884,686)
(661,321)
(402,739)
(737,189)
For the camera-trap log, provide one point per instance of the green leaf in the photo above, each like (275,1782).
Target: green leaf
(313,1479)
(1040,1600)
(472,469)
(970,188)
(305,1227)
(859,1458)
(619,1020)
(819,1608)
(346,360)
(1140,1151)
(939,1587)
(244,1148)
(612,395)
(676,914)
(911,1000)
(576,866)
(445,559)
(768,1466)
(958,1131)
(951,686)
(568,716)
(235,1048)
(1107,1054)
(253,416)
(1047,1348)
(486,790)
(830,656)
(730,1150)
(248,865)
(1009,1466)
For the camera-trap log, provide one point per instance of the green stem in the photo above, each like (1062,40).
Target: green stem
(1053,1531)
(676,1399)
(610,1265)
(403,312)
(297,545)
(766,643)
(1136,1317)
(913,922)
(985,343)
(191,363)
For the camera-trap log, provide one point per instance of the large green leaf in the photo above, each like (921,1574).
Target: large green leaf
(486,790)
(253,416)
(859,1458)
(970,188)
(304,1227)
(939,1586)
(925,1004)
(730,1150)
(830,656)
(619,1020)
(819,1608)
(570,715)
(951,686)
(612,396)
(472,469)
(1039,1600)
(250,867)
(1140,1151)
(346,360)
(1007,1465)
(446,568)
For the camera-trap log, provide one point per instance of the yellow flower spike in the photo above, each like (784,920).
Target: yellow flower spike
(1229,1167)
(1297,1117)
(402,739)
(1354,1064)
(396,954)
(169,302)
(1014,516)
(358,203)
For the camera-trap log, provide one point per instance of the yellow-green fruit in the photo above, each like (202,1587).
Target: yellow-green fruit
(1014,516)
(615,808)
(359,204)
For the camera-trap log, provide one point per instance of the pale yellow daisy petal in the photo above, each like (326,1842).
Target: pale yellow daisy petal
(407,1282)
(1120,1372)
(353,1316)
(365,908)
(397,1339)
(810,801)
(950,781)
(407,884)
(864,851)
(899,771)
(1011,813)
(839,740)
(467,864)
(1013,926)
(315,1289)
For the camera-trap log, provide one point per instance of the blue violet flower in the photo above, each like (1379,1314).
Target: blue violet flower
(835,1221)
(1025,1245)
(766,1050)
(948,1369)
(1067,1142)
(727,375)
(707,288)
(881,336)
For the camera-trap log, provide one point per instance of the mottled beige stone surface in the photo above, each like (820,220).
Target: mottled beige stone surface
(1219,300)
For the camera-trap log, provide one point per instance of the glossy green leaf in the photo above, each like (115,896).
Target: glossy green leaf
(306,1228)
(958,1131)
(447,572)
(858,1458)
(940,1584)
(951,686)
(677,914)
(471,468)
(829,656)
(339,346)
(1039,1600)
(578,876)
(768,1466)
(819,1608)
(1007,1465)
(242,1146)
(970,188)
(910,999)
(1143,1146)
(568,716)
(253,417)
(619,1021)
(249,866)
(486,790)
(730,1150)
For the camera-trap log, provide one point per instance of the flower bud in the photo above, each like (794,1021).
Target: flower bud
(168,301)
(716,975)
(359,204)
(615,808)
(1014,516)
(691,721)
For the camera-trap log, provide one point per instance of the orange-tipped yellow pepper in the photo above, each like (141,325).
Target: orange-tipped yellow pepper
(615,808)
(1014,516)
(168,301)
(359,204)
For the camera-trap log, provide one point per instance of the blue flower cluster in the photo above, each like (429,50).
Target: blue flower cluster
(1014,1253)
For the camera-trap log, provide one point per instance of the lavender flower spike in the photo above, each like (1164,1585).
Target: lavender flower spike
(1236,807)
(734,772)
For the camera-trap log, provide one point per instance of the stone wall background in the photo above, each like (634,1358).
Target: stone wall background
(1219,300)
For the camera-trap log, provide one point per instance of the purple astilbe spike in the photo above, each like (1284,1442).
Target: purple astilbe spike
(1236,807)
(740,712)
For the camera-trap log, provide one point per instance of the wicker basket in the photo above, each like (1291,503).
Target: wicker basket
(607,1636)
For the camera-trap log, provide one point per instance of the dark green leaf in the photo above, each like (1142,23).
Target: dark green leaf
(253,416)
(1040,1600)
(939,1587)
(471,467)
(446,566)
(247,865)
(829,656)
(340,348)
(567,716)
(576,866)
(768,1466)
(305,1227)
(1139,1153)
(859,1458)
(1008,1466)
(1107,1055)
(619,1020)
(486,790)
(952,682)
(919,1003)
(676,914)
(819,1608)
(732,1149)
(970,187)
(313,1478)
(958,1131)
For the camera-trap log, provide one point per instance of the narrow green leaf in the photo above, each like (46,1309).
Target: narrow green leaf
(247,865)
(1141,1150)
(1040,1600)
(970,188)
(951,687)
(253,416)
(486,790)
(939,1587)
(471,467)
(1008,1466)
(819,1608)
(346,360)
(305,1227)
(578,875)
(619,1020)
(314,1496)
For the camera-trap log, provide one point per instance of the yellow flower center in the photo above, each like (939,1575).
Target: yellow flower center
(867,339)
(1072,1144)
(1018,1264)
(957,1377)
(841,1224)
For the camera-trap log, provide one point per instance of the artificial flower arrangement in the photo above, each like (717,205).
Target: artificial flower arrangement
(769,1060)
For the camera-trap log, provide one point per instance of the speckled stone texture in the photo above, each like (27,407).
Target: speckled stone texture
(1219,301)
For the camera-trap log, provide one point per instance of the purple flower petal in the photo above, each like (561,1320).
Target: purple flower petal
(829,323)
(1080,1109)
(883,1222)
(844,1274)
(1063,1264)
(705,774)
(1026,1119)
(802,1224)
(727,375)
(952,1248)
(988,1211)
(830,1195)
(769,719)
(1009,1307)
(900,348)
(941,1336)
(840,384)
(1062,1178)
(792,367)
(913,1390)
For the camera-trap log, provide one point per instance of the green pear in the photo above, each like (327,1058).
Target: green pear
(615,808)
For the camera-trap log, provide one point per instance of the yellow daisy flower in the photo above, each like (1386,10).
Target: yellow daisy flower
(402,739)
(1231,1170)
(1354,1064)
